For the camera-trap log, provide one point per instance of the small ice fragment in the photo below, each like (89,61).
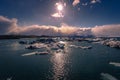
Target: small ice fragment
(106,76)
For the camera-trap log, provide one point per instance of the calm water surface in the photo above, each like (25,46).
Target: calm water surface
(75,64)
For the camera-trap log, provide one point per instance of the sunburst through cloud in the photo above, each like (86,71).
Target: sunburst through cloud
(60,9)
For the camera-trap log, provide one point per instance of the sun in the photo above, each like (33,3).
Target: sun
(60,7)
(59,10)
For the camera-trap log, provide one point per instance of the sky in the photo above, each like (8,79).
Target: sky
(74,13)
(39,12)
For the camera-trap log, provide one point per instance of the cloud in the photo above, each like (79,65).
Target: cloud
(10,26)
(95,1)
(107,30)
(7,25)
(75,2)
(49,30)
(85,4)
(57,15)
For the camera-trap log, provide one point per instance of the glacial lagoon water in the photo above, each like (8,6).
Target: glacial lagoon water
(75,64)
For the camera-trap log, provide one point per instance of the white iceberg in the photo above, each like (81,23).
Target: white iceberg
(9,78)
(36,53)
(115,64)
(81,47)
(111,43)
(28,54)
(106,76)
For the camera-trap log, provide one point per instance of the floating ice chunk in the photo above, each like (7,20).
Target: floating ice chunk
(115,64)
(73,46)
(85,47)
(62,42)
(59,51)
(36,46)
(28,54)
(81,47)
(36,53)
(111,43)
(9,78)
(41,53)
(106,76)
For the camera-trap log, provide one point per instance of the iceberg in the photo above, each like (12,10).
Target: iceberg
(106,76)
(28,54)
(36,53)
(81,47)
(115,64)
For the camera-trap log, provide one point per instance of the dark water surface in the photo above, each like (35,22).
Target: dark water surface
(75,64)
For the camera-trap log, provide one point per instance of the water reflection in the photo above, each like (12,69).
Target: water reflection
(60,62)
